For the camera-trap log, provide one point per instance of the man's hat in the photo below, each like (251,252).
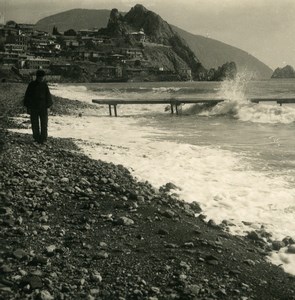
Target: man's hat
(40,73)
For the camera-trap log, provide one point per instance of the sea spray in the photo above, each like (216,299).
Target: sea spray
(238,104)
(234,94)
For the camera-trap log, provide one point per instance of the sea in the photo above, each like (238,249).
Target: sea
(236,159)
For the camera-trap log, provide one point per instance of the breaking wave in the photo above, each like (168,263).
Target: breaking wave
(237,104)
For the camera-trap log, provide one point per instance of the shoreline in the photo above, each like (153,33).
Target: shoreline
(113,236)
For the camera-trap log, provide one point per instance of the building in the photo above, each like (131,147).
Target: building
(37,63)
(26,28)
(138,35)
(15,48)
(107,72)
(132,53)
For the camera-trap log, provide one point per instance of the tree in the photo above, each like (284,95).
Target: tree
(2,42)
(11,23)
(70,32)
(55,31)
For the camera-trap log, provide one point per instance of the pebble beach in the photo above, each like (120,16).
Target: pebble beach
(77,228)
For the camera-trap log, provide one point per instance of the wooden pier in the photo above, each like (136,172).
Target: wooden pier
(175,103)
(280,101)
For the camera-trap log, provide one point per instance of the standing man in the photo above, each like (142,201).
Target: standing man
(37,101)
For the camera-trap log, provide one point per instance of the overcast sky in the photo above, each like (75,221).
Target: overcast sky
(264,28)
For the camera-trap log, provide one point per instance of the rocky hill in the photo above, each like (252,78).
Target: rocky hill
(285,72)
(158,32)
(209,52)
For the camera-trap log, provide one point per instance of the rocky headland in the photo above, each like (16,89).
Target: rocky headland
(285,72)
(76,228)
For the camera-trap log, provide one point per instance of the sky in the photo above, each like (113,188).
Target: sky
(264,28)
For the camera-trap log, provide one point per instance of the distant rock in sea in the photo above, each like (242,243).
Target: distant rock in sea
(285,72)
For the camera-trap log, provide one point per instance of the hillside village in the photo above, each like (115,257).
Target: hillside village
(95,55)
(24,49)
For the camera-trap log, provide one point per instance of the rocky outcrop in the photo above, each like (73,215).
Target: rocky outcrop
(226,71)
(285,72)
(157,31)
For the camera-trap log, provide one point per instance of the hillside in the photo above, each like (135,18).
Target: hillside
(211,53)
(75,19)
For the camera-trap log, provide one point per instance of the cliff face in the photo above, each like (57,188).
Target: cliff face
(157,31)
(286,72)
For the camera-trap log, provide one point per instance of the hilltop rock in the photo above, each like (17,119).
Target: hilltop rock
(157,32)
(285,72)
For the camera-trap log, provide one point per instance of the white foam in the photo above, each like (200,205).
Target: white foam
(239,106)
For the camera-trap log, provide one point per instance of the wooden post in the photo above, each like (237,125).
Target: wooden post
(115,109)
(176,108)
(172,110)
(110,109)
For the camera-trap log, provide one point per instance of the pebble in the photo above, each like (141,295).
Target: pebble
(102,254)
(193,289)
(39,260)
(125,221)
(94,291)
(95,276)
(19,253)
(6,269)
(168,213)
(50,250)
(155,289)
(162,232)
(45,295)
(65,180)
(249,262)
(45,227)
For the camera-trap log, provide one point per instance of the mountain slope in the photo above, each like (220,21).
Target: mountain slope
(75,19)
(213,53)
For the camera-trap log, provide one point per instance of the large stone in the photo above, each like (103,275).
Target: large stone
(277,245)
(35,282)
(291,249)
